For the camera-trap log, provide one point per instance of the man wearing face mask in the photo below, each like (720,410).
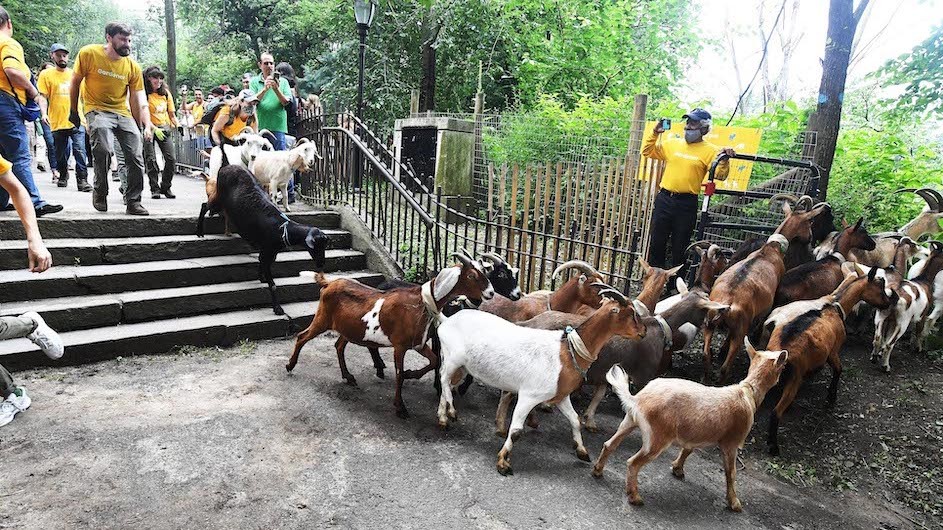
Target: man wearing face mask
(688,160)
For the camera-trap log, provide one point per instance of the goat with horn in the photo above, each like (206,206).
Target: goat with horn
(579,291)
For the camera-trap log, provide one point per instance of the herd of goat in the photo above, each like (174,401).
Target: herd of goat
(791,295)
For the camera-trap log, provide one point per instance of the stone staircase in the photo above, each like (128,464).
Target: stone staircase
(124,285)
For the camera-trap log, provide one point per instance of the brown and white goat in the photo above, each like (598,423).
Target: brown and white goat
(690,415)
(800,250)
(400,318)
(818,278)
(582,289)
(926,222)
(537,365)
(813,331)
(749,286)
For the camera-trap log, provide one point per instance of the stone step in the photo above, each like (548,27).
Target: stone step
(86,312)
(140,249)
(110,225)
(220,329)
(22,285)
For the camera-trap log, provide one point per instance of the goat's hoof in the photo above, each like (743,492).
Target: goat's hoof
(289,367)
(886,369)
(591,426)
(773,450)
(505,469)
(597,472)
(583,455)
(874,359)
(443,424)
(380,374)
(402,413)
(350,380)
(678,473)
(735,506)
(501,434)
(636,500)
(278,310)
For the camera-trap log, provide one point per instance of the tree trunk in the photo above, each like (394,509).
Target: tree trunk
(171,20)
(430,34)
(843,20)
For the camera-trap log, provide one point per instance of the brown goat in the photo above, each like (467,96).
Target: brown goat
(578,291)
(687,414)
(749,286)
(814,331)
(400,317)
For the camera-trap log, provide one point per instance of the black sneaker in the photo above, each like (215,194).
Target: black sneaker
(155,195)
(9,207)
(169,194)
(100,202)
(135,208)
(62,183)
(48,208)
(84,186)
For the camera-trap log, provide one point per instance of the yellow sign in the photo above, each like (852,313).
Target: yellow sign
(740,139)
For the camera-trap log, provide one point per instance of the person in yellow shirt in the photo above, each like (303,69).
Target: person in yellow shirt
(55,84)
(113,80)
(232,118)
(164,117)
(16,92)
(674,215)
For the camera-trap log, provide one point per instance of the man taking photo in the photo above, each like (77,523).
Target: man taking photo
(112,81)
(688,161)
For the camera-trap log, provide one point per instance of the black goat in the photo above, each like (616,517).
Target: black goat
(236,193)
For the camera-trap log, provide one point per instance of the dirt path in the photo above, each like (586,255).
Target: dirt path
(225,439)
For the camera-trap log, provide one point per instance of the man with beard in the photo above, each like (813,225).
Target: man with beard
(112,81)
(688,160)
(55,84)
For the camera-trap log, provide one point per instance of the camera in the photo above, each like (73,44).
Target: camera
(665,124)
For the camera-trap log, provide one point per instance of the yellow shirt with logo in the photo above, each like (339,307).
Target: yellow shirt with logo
(11,54)
(106,81)
(687,164)
(54,86)
(161,107)
(234,128)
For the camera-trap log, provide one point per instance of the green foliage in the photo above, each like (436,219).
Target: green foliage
(920,73)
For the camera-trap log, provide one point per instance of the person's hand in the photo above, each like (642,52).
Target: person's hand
(270,83)
(727,151)
(39,257)
(45,119)
(159,133)
(658,128)
(75,118)
(148,133)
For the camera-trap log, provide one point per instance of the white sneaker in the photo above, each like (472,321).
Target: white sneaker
(20,399)
(45,337)
(7,411)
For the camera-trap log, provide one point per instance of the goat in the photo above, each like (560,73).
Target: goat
(813,331)
(713,261)
(243,151)
(690,415)
(819,278)
(258,221)
(799,251)
(503,278)
(400,317)
(570,297)
(537,365)
(916,306)
(273,169)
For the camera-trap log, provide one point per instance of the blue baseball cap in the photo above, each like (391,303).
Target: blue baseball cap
(58,47)
(697,114)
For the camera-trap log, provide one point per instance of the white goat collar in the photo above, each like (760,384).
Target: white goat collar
(666,329)
(841,310)
(428,300)
(577,347)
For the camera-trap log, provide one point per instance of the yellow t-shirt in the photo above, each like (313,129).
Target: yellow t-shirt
(687,164)
(106,81)
(234,128)
(11,54)
(5,165)
(54,86)
(197,111)
(161,107)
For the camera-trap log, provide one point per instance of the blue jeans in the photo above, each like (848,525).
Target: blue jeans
(71,139)
(14,146)
(282,145)
(50,145)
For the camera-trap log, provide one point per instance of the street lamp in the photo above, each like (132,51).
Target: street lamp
(364,12)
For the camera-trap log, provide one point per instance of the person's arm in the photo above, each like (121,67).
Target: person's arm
(43,87)
(261,87)
(652,148)
(74,90)
(39,257)
(276,87)
(141,113)
(218,124)
(20,80)
(723,167)
(171,111)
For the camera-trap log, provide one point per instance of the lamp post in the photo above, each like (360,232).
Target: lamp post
(364,12)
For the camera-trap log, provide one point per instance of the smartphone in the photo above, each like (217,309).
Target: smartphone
(665,124)
(275,76)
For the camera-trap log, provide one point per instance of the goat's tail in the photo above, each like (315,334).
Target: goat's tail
(318,277)
(620,384)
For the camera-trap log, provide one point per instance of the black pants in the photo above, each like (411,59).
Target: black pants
(166,147)
(674,217)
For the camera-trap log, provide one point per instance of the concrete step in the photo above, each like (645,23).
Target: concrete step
(140,249)
(22,285)
(160,336)
(110,225)
(86,312)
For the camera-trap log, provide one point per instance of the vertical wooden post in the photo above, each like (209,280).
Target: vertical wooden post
(414,101)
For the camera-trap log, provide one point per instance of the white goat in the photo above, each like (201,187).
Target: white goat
(251,144)
(273,169)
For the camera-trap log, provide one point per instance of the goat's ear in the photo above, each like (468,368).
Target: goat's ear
(445,282)
(711,305)
(751,351)
(860,272)
(640,309)
(844,223)
(783,357)
(672,272)
(645,266)
(681,286)
(582,279)
(859,223)
(515,271)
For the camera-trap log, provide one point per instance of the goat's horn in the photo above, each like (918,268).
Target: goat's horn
(727,252)
(935,245)
(615,295)
(494,258)
(785,197)
(302,141)
(938,196)
(821,205)
(247,129)
(931,196)
(602,285)
(463,258)
(575,264)
(698,244)
(805,203)
(464,251)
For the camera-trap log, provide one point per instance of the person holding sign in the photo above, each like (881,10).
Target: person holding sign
(687,163)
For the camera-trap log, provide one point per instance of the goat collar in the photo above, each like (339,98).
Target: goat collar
(577,347)
(666,329)
(749,392)
(841,310)
(428,300)
(284,230)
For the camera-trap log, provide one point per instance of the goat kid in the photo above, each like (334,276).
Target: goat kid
(274,169)
(690,415)
(399,318)
(814,332)
(578,291)
(258,221)
(537,365)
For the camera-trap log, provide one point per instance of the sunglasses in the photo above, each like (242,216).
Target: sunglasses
(268,62)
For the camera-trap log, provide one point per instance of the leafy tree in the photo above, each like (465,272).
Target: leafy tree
(920,73)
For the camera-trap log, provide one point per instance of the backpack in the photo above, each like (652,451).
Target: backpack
(210,112)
